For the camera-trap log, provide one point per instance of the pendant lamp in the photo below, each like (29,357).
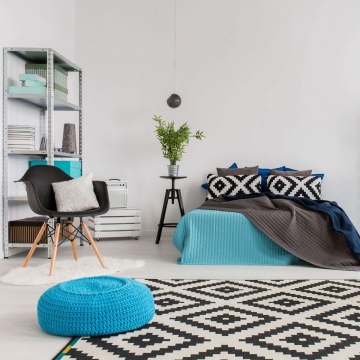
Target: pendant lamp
(174,100)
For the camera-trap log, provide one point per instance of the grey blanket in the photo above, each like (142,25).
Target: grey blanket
(307,234)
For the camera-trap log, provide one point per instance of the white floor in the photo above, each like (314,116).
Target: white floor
(20,335)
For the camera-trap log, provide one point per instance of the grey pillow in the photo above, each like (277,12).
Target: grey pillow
(239,171)
(75,195)
(291,173)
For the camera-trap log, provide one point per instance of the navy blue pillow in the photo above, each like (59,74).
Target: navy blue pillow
(206,185)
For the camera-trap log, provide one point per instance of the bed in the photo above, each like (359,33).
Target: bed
(262,228)
(225,238)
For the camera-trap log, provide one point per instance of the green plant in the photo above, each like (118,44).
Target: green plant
(173,142)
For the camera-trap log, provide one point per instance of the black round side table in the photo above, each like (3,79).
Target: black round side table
(170,194)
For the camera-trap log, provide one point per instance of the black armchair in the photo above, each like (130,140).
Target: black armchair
(41,197)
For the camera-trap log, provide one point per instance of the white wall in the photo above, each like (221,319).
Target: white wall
(34,23)
(270,83)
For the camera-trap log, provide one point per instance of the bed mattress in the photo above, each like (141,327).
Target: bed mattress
(225,238)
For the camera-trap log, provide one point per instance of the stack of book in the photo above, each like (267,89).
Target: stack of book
(21,137)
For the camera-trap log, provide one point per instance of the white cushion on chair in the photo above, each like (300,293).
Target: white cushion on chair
(75,195)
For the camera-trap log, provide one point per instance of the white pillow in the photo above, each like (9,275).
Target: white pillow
(75,195)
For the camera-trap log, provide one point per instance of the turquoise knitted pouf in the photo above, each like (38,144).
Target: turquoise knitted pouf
(95,306)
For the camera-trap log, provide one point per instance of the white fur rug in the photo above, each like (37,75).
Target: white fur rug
(67,270)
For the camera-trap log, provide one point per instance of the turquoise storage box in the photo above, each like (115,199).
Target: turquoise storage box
(72,168)
(16,90)
(33,83)
(32,77)
(59,91)
(36,90)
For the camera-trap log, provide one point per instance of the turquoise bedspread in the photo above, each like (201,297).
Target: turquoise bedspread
(226,238)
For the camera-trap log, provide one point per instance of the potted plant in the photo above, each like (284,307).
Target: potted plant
(173,142)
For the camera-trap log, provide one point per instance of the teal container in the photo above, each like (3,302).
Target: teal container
(72,168)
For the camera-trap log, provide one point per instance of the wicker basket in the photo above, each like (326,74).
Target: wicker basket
(25,230)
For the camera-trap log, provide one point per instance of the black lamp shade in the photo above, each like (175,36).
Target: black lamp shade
(174,101)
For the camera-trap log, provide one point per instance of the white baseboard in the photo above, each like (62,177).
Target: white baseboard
(167,231)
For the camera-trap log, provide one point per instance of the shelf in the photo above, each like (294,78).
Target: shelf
(39,56)
(15,245)
(27,152)
(17,198)
(39,102)
(43,103)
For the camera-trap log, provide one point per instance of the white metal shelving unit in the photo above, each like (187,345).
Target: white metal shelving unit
(47,105)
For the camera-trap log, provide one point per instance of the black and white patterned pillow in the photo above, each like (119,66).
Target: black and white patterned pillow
(301,186)
(233,185)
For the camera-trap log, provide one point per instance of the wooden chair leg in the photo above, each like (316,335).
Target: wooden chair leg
(36,241)
(56,241)
(72,238)
(93,244)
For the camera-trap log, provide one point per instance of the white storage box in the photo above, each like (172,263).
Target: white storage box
(116,223)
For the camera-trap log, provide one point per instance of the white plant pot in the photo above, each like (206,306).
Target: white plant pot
(173,170)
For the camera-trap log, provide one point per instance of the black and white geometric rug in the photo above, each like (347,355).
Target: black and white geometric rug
(224,320)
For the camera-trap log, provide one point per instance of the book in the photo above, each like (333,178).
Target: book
(28,83)
(19,138)
(24,132)
(33,77)
(25,126)
(20,146)
(21,127)
(22,142)
(20,132)
(17,127)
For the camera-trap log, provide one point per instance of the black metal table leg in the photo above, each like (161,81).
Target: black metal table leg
(161,224)
(181,206)
(172,190)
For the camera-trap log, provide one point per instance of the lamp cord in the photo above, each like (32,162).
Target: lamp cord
(175,47)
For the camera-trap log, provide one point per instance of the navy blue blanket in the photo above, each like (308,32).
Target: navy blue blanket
(337,216)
